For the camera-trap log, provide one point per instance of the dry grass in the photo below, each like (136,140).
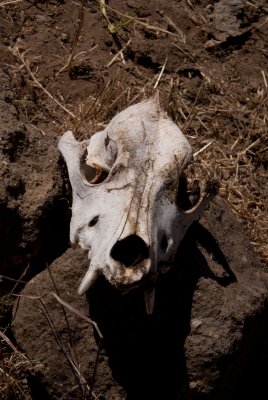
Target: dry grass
(237,155)
(232,137)
(13,382)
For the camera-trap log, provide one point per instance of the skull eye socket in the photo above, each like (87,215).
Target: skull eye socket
(188,195)
(94,175)
(97,175)
(91,175)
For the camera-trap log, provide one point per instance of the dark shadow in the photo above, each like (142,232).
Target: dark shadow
(146,352)
(12,257)
(143,60)
(210,245)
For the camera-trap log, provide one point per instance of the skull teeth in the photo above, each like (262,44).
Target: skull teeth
(149,297)
(88,280)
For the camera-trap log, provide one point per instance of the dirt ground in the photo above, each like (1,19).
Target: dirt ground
(67,72)
(75,64)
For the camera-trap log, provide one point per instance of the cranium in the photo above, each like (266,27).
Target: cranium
(125,186)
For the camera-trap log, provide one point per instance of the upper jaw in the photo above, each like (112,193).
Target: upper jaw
(124,277)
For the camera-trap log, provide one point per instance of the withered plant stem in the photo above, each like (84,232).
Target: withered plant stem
(8,2)
(80,19)
(191,114)
(76,372)
(144,24)
(15,50)
(71,341)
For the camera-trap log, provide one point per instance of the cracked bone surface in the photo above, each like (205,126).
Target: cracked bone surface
(125,187)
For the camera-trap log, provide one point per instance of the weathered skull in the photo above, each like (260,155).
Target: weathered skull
(125,186)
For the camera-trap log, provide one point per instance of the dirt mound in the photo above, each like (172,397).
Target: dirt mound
(31,187)
(207,328)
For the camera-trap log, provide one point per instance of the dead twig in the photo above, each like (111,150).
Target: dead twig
(186,53)
(8,2)
(174,26)
(119,54)
(15,50)
(144,24)
(8,341)
(20,278)
(71,341)
(160,74)
(80,19)
(87,390)
(191,114)
(77,374)
(264,79)
(202,149)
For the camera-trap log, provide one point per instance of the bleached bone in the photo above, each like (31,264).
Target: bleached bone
(125,186)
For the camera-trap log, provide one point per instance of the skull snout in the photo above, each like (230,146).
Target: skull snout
(130,251)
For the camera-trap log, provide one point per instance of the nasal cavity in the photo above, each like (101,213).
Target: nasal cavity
(130,251)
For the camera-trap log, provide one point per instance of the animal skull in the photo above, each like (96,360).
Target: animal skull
(125,182)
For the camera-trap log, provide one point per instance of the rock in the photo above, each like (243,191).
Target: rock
(55,337)
(208,327)
(232,23)
(34,211)
(227,16)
